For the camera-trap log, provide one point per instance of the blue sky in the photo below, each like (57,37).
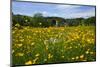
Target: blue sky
(65,11)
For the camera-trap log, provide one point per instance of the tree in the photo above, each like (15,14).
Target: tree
(39,21)
(90,21)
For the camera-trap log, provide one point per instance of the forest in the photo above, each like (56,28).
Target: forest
(38,20)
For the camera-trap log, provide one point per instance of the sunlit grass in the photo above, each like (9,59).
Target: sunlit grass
(53,45)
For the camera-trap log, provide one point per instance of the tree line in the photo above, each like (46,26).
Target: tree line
(38,20)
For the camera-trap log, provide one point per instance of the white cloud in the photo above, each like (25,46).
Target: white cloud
(45,13)
(63,7)
(74,11)
(81,14)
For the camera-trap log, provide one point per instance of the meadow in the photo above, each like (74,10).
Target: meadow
(53,45)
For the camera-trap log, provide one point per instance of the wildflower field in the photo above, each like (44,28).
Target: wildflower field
(53,45)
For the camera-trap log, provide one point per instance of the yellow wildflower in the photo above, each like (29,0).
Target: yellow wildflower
(45,59)
(37,55)
(62,29)
(87,52)
(19,54)
(32,43)
(65,47)
(70,47)
(62,56)
(22,40)
(19,45)
(46,47)
(76,47)
(91,52)
(77,57)
(28,62)
(13,51)
(72,39)
(81,56)
(48,30)
(88,40)
(34,61)
(13,32)
(73,58)
(50,56)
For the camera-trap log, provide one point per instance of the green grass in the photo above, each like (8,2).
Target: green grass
(53,45)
